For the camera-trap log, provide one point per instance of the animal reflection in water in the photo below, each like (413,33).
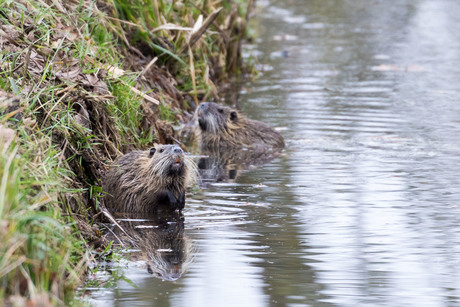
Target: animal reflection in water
(159,239)
(226,165)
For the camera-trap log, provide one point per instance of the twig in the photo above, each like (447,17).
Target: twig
(119,240)
(143,95)
(224,35)
(61,156)
(195,36)
(246,19)
(26,67)
(169,26)
(9,115)
(111,218)
(192,73)
(146,68)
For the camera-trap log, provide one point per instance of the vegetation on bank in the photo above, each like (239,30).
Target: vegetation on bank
(82,81)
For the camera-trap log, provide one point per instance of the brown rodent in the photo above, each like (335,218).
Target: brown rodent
(224,127)
(143,181)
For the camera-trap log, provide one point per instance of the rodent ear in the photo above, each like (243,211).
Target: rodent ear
(152,152)
(233,116)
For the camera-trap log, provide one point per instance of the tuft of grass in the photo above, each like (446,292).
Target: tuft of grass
(41,253)
(128,115)
(168,29)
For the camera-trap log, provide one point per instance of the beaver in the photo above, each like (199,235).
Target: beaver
(144,181)
(224,127)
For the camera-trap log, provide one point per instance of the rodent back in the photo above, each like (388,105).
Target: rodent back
(222,126)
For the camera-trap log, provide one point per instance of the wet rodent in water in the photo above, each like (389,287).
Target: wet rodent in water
(143,181)
(225,127)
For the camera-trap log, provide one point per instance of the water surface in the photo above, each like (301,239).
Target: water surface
(363,206)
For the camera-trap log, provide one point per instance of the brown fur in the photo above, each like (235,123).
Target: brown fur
(140,182)
(160,241)
(224,127)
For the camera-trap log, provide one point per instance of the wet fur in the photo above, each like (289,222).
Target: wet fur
(139,182)
(226,165)
(224,127)
(160,241)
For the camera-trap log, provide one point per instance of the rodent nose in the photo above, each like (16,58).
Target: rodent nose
(177,150)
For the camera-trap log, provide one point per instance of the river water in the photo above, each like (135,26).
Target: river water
(363,206)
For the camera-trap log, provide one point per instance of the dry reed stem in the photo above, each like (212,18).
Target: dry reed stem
(196,34)
(149,65)
(192,74)
(143,95)
(170,26)
(13,265)
(26,67)
(112,219)
(9,253)
(9,115)
(122,21)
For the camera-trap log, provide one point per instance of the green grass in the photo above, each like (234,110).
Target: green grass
(39,253)
(128,114)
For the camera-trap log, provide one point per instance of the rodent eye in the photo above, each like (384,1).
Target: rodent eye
(220,110)
(161,150)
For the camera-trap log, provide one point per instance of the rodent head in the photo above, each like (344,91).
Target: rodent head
(166,264)
(168,160)
(215,118)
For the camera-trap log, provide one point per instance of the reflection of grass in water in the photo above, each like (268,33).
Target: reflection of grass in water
(107,278)
(106,272)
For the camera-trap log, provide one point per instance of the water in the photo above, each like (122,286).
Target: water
(363,206)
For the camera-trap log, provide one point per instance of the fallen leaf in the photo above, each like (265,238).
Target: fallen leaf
(101,88)
(92,79)
(56,43)
(6,135)
(69,75)
(198,24)
(7,100)
(29,122)
(69,33)
(170,26)
(11,31)
(115,71)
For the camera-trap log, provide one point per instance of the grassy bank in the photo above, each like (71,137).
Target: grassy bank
(80,83)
